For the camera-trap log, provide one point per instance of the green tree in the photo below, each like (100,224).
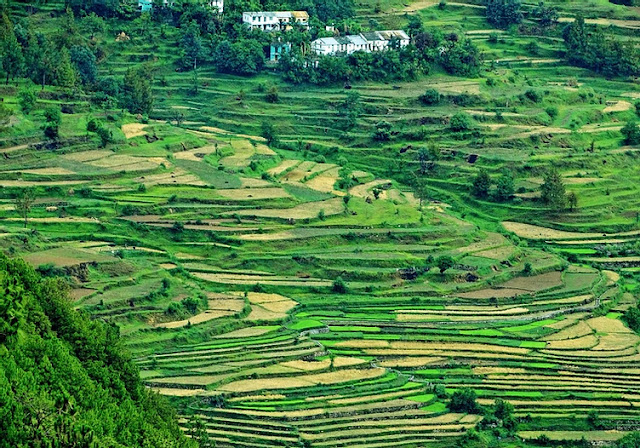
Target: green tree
(464,400)
(547,15)
(552,190)
(631,133)
(382,132)
(350,108)
(631,440)
(502,409)
(572,199)
(137,96)
(27,99)
(85,63)
(53,119)
(505,186)
(339,286)
(444,262)
(5,116)
(461,122)
(272,95)
(269,133)
(23,203)
(431,97)
(481,184)
(503,13)
(12,58)
(65,73)
(93,24)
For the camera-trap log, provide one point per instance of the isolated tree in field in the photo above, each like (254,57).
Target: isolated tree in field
(427,157)
(22,204)
(272,95)
(505,187)
(503,13)
(382,132)
(444,262)
(572,199)
(430,97)
(631,133)
(461,122)
(481,184)
(191,44)
(339,286)
(503,409)
(53,119)
(552,191)
(269,133)
(351,108)
(27,99)
(464,400)
(5,116)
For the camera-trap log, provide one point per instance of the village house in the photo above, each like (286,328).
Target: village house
(277,49)
(275,21)
(369,42)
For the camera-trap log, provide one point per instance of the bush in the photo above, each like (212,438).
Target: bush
(631,133)
(339,286)
(431,97)
(27,99)
(464,401)
(461,122)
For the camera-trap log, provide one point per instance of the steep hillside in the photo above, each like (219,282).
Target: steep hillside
(65,380)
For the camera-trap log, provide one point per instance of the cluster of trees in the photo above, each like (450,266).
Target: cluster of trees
(503,13)
(65,379)
(553,192)
(67,60)
(482,183)
(595,50)
(457,56)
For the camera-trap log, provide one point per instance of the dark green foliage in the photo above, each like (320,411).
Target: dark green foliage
(444,262)
(12,59)
(27,99)
(599,52)
(272,95)
(65,378)
(631,440)
(632,318)
(269,133)
(350,108)
(137,96)
(505,187)
(85,63)
(481,185)
(382,132)
(461,59)
(464,400)
(242,57)
(503,13)
(631,133)
(191,46)
(461,122)
(431,97)
(527,269)
(553,192)
(53,118)
(339,286)
(547,15)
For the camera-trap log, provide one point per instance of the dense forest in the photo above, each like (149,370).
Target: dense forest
(65,380)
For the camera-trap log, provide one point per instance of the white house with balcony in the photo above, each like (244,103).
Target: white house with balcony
(368,42)
(275,20)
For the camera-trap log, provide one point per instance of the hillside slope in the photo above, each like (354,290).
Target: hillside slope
(64,380)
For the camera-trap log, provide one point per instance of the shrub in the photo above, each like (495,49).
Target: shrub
(631,133)
(431,97)
(464,400)
(461,122)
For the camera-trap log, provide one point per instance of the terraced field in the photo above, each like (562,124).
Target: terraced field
(290,294)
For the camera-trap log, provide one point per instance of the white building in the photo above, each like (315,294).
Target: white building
(368,42)
(275,21)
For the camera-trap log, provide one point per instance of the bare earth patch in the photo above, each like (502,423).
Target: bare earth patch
(132,130)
